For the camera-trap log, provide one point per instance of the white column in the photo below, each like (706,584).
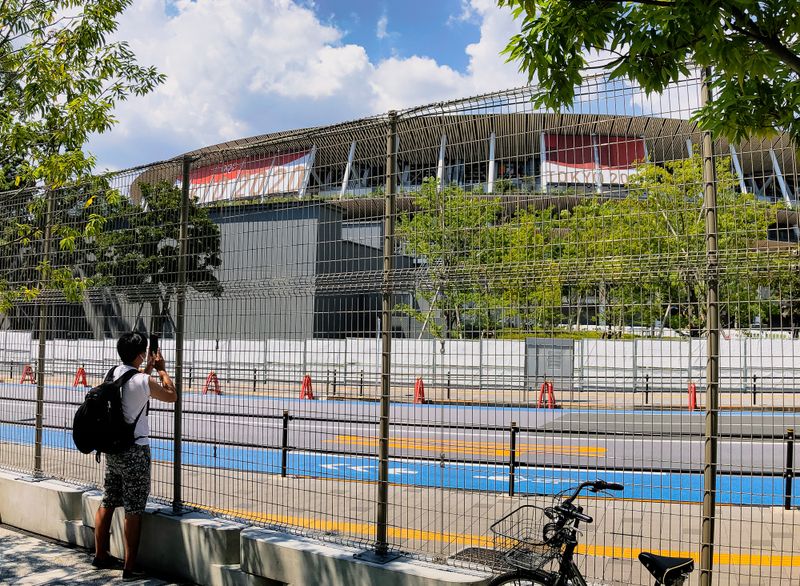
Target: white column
(598,176)
(738,167)
(440,165)
(543,160)
(491,171)
(785,191)
(346,178)
(309,168)
(689,147)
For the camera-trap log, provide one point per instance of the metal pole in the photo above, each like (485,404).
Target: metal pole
(284,444)
(180,321)
(381,518)
(712,364)
(789,474)
(42,333)
(512,462)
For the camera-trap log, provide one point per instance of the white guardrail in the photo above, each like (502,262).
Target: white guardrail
(598,364)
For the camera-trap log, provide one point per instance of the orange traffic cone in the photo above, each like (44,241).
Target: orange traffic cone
(692,388)
(27,374)
(547,387)
(306,391)
(212,381)
(419,391)
(80,378)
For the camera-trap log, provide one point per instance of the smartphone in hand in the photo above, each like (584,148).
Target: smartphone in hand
(153,343)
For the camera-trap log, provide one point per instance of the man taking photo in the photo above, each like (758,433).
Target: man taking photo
(127,475)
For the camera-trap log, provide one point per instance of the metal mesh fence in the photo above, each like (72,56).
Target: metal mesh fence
(390,333)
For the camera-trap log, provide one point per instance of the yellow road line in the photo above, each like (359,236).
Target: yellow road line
(470,447)
(468,540)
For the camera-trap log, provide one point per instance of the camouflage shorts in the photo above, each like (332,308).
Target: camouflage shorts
(127,482)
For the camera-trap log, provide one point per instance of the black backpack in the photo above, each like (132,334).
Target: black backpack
(99,424)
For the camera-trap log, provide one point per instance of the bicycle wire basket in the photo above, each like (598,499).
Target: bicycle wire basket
(521,534)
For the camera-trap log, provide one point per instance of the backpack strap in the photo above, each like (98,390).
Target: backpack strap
(135,421)
(110,375)
(126,376)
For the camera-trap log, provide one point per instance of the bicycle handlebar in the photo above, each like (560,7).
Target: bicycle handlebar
(594,486)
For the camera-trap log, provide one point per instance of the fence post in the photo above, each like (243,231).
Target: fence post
(180,321)
(789,474)
(42,333)
(361,383)
(712,364)
(284,443)
(755,377)
(512,458)
(381,518)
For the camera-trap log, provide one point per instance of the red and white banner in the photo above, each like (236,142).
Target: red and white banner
(570,159)
(249,177)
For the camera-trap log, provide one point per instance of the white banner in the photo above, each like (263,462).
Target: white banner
(249,177)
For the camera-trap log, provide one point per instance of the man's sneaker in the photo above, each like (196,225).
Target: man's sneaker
(132,575)
(104,563)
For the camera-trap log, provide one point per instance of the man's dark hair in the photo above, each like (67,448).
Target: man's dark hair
(130,345)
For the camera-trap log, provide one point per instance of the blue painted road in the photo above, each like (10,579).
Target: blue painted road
(676,487)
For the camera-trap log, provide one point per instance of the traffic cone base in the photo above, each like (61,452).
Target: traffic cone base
(692,388)
(547,387)
(27,375)
(306,392)
(419,391)
(80,378)
(212,382)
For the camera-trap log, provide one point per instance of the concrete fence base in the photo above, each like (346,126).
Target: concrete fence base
(205,550)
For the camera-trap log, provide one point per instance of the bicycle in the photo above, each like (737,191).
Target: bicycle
(548,536)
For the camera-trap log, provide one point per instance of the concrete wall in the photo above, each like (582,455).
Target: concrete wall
(205,550)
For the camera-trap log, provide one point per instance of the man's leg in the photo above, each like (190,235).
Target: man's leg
(133,531)
(102,532)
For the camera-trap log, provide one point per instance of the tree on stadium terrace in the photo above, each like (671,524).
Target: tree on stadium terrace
(60,79)
(643,256)
(752,47)
(139,252)
(457,235)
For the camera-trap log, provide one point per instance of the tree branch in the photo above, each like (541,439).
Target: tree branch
(771,42)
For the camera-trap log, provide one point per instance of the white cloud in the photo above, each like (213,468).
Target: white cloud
(467,14)
(380,29)
(236,68)
(487,67)
(399,83)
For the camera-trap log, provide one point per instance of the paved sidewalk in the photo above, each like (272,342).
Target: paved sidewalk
(31,560)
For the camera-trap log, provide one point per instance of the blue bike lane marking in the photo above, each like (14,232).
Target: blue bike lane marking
(660,486)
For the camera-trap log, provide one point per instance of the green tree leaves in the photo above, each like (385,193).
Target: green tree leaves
(605,261)
(60,79)
(753,48)
(139,252)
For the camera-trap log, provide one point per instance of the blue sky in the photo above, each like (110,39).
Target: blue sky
(439,28)
(238,68)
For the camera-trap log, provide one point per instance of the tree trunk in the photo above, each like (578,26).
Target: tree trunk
(159,315)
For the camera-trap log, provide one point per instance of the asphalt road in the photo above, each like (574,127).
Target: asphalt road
(655,441)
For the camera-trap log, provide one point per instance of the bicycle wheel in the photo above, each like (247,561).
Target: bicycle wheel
(515,578)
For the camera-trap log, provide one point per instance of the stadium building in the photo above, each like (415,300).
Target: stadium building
(301,211)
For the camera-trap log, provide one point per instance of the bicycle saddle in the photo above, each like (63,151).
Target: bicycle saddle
(666,569)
